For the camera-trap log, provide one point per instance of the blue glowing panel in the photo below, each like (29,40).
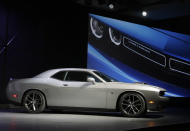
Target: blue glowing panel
(152,37)
(144,54)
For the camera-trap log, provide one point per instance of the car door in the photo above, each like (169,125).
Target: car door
(77,92)
(54,87)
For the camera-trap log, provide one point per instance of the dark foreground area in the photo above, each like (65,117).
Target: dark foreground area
(18,120)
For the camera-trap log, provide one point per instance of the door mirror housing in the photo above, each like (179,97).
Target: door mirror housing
(92,80)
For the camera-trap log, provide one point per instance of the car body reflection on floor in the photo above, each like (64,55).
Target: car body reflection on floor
(18,120)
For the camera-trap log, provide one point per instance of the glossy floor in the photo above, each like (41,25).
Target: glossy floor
(17,120)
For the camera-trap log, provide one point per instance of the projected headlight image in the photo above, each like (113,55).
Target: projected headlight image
(132,52)
(96,28)
(115,36)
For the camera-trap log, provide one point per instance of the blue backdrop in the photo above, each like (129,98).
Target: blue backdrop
(169,43)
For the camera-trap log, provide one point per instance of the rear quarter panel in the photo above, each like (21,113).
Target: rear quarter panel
(21,86)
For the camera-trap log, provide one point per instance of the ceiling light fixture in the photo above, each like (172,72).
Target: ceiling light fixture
(144,13)
(111,6)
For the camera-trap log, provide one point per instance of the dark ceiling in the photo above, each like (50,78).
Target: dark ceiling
(156,9)
(165,14)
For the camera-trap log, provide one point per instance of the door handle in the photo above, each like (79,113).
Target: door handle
(65,84)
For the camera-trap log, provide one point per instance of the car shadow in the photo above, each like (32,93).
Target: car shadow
(95,113)
(109,114)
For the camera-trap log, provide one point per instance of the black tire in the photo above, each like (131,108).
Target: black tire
(34,101)
(132,105)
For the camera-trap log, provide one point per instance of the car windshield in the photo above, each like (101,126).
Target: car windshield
(105,77)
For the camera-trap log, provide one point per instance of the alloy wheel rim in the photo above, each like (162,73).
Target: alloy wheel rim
(132,104)
(33,101)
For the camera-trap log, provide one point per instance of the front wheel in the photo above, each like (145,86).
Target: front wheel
(132,104)
(34,101)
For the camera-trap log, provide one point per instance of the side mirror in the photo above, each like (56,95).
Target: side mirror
(92,80)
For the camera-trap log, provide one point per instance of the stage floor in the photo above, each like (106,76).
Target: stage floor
(17,120)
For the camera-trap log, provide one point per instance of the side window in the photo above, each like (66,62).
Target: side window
(79,76)
(59,76)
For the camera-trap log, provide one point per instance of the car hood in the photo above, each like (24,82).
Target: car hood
(134,86)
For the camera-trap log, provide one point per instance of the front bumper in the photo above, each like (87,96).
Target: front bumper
(158,105)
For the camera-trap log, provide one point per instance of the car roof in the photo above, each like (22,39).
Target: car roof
(49,73)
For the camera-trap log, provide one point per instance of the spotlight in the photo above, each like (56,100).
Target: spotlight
(111,6)
(144,13)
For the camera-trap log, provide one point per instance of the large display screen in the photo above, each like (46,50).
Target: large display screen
(131,52)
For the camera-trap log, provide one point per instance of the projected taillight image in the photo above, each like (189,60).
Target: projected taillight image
(132,52)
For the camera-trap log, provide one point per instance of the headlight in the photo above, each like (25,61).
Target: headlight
(115,36)
(162,93)
(96,28)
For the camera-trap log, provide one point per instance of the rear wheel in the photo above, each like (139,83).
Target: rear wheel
(132,104)
(34,101)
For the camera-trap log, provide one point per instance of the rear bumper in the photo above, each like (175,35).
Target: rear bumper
(14,103)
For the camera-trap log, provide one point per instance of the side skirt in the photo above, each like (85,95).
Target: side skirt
(81,109)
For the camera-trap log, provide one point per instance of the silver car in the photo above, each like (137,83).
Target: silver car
(84,88)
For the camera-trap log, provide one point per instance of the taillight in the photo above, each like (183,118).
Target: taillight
(14,95)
